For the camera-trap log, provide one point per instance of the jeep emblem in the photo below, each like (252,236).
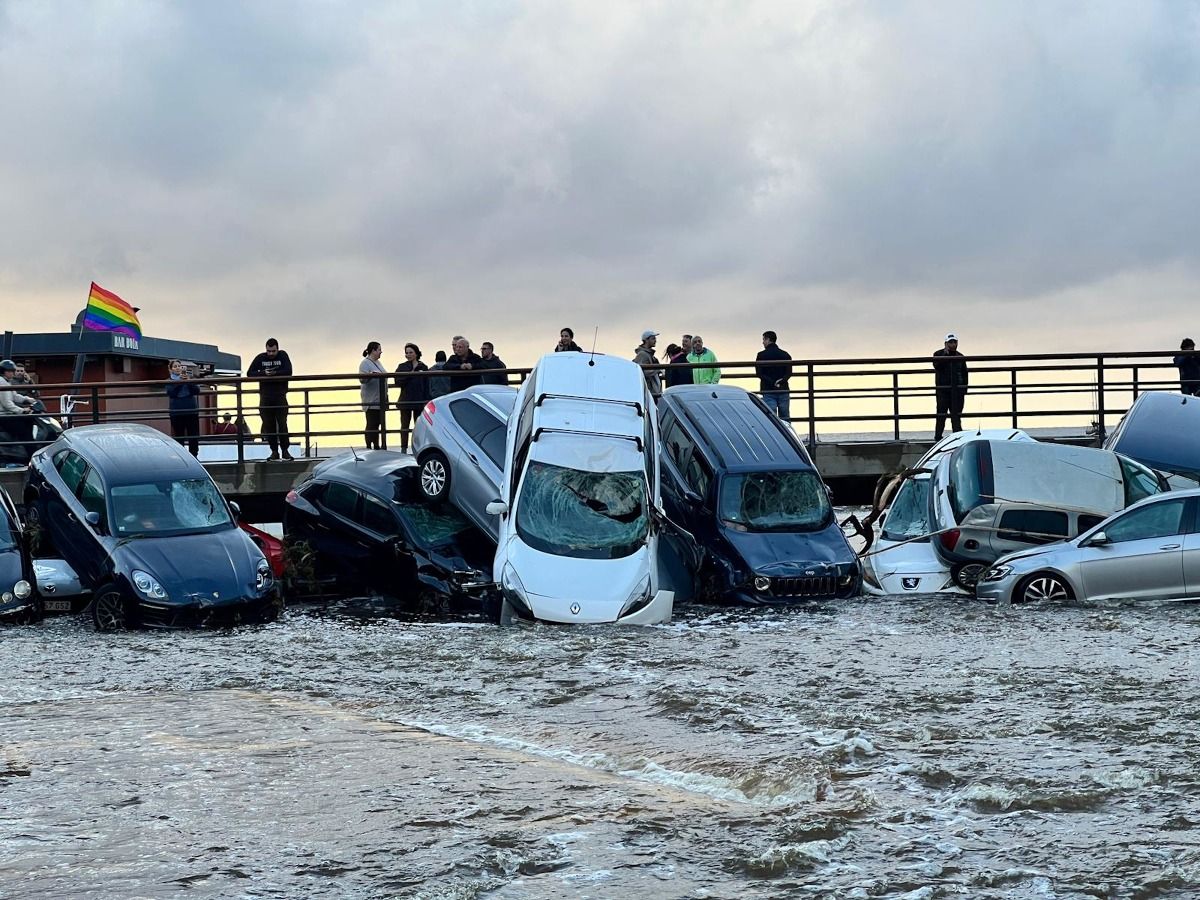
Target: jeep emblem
(575,609)
(809,572)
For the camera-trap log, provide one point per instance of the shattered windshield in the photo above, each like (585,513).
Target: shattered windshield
(168,507)
(908,516)
(774,501)
(434,524)
(590,515)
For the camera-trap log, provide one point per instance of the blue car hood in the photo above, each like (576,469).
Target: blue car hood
(791,552)
(214,568)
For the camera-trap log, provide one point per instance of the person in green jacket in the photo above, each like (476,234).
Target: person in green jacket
(701,354)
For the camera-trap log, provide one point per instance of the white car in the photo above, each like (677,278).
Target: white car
(580,509)
(902,560)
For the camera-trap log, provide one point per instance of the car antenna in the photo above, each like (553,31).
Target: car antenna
(595,336)
(354,453)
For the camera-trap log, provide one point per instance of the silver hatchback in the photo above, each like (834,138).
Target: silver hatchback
(1150,551)
(458,442)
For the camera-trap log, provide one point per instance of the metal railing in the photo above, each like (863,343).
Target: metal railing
(889,398)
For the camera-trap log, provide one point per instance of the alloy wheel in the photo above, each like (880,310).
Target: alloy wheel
(433,477)
(1042,588)
(108,610)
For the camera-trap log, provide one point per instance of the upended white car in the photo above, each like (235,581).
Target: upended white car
(580,510)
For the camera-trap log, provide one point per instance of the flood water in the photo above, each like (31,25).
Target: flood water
(868,748)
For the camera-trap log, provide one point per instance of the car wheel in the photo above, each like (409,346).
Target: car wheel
(109,611)
(966,575)
(1042,587)
(434,476)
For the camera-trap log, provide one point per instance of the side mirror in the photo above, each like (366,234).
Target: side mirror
(236,510)
(497,508)
(92,518)
(1097,539)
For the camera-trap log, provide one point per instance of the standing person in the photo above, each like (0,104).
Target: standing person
(489,360)
(644,356)
(414,392)
(566,341)
(701,354)
(686,343)
(464,360)
(1189,368)
(439,385)
(373,392)
(225,426)
(677,356)
(773,375)
(276,365)
(183,399)
(950,383)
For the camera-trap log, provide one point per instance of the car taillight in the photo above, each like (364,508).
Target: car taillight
(428,411)
(292,497)
(949,538)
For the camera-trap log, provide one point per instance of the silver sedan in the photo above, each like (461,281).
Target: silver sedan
(1150,551)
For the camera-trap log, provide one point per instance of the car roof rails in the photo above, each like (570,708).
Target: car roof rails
(603,434)
(636,405)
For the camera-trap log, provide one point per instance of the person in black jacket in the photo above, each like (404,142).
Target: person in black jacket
(950,382)
(414,392)
(463,360)
(566,341)
(489,360)
(773,375)
(272,396)
(1189,368)
(183,400)
(677,357)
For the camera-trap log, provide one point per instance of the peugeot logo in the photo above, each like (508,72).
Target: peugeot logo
(575,607)
(910,584)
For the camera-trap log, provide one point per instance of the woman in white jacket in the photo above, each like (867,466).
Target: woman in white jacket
(373,392)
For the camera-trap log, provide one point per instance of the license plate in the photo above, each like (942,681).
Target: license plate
(57,605)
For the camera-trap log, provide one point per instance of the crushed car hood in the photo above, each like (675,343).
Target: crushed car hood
(209,568)
(780,551)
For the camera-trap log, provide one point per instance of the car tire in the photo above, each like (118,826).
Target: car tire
(1042,587)
(110,611)
(434,476)
(966,575)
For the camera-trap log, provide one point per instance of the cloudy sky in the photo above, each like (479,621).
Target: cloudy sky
(858,176)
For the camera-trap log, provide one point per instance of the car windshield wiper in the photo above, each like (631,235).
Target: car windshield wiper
(601,508)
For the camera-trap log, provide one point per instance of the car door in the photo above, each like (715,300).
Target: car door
(1142,557)
(1191,550)
(90,549)
(388,563)
(336,538)
(58,506)
(476,482)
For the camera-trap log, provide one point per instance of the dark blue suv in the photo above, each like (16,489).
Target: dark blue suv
(145,528)
(741,482)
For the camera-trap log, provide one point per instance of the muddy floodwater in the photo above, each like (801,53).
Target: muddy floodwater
(869,748)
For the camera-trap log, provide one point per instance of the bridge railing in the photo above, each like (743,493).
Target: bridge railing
(886,398)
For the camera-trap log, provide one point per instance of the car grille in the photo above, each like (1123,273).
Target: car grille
(805,586)
(194,616)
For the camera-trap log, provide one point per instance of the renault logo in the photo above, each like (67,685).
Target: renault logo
(910,584)
(575,609)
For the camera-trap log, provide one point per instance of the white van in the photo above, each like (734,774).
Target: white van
(580,509)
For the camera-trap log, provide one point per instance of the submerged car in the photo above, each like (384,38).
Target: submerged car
(458,442)
(143,525)
(739,480)
(1161,430)
(900,559)
(369,528)
(990,498)
(579,509)
(18,597)
(1150,551)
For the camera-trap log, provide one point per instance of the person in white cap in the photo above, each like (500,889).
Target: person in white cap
(644,357)
(950,383)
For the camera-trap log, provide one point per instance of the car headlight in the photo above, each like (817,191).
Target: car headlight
(513,590)
(762,583)
(147,585)
(263,577)
(638,598)
(995,573)
(6,597)
(869,576)
(22,589)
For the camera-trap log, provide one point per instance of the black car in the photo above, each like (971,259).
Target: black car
(146,530)
(22,435)
(18,597)
(738,478)
(369,528)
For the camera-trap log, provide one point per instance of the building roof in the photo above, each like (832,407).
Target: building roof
(109,343)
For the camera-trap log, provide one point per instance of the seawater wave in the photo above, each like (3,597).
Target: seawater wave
(911,747)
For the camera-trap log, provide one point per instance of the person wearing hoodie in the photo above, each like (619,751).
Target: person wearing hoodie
(644,356)
(1188,364)
(183,398)
(701,354)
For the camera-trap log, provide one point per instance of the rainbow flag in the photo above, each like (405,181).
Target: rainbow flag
(108,312)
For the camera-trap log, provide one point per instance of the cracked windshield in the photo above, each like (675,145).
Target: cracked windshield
(596,515)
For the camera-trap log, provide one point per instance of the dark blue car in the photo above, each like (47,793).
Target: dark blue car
(738,478)
(146,530)
(18,598)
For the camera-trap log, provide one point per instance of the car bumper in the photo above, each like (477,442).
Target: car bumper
(656,612)
(244,610)
(997,591)
(17,610)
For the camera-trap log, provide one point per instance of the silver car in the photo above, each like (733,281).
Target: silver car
(1150,551)
(459,445)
